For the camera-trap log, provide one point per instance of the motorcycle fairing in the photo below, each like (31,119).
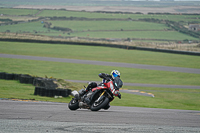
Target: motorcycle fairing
(99,88)
(110,86)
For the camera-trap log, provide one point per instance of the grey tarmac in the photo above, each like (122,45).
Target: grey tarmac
(40,117)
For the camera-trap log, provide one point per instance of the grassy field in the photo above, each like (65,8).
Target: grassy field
(172,99)
(98,29)
(170,36)
(64,13)
(108,25)
(11,11)
(90,72)
(100,54)
(164,97)
(31,27)
(61,13)
(15,90)
(19,18)
(86,29)
(84,25)
(136,34)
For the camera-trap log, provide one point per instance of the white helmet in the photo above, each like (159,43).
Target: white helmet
(115,73)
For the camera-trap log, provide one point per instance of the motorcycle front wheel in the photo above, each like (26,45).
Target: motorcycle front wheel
(73,104)
(100,104)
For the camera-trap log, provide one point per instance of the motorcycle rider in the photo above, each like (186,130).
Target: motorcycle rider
(115,77)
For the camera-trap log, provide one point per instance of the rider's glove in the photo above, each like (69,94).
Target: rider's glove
(117,94)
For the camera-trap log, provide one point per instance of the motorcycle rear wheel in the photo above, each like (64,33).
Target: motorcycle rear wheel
(101,104)
(73,104)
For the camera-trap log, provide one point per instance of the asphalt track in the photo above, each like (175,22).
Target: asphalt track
(41,117)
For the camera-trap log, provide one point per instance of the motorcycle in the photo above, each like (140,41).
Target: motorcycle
(96,98)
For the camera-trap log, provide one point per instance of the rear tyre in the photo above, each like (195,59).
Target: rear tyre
(100,104)
(73,104)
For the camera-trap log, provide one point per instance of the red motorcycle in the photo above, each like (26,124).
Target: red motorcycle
(96,98)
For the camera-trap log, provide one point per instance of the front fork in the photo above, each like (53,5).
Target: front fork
(100,97)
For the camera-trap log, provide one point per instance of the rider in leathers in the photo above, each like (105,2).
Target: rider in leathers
(115,77)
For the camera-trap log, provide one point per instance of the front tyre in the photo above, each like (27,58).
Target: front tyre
(107,106)
(100,104)
(73,104)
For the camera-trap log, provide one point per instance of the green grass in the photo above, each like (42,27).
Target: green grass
(104,30)
(29,27)
(12,11)
(90,72)
(61,13)
(18,18)
(15,90)
(88,26)
(100,54)
(161,100)
(108,25)
(166,35)
(169,100)
(164,97)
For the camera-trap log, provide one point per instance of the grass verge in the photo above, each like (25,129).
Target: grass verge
(75,71)
(170,100)
(15,90)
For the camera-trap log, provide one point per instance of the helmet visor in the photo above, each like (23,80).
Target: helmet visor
(114,74)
